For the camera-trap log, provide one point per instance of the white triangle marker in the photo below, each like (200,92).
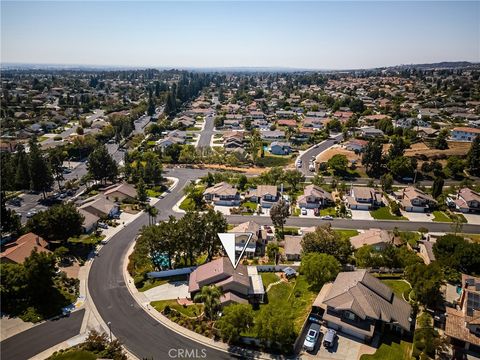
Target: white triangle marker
(230,244)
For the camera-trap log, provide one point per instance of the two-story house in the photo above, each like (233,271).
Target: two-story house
(464,133)
(363,198)
(280,148)
(265,195)
(414,200)
(222,194)
(463,322)
(358,304)
(314,197)
(467,201)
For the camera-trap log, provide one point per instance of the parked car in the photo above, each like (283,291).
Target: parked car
(299,163)
(327,217)
(102,225)
(311,167)
(312,337)
(304,211)
(329,339)
(31,213)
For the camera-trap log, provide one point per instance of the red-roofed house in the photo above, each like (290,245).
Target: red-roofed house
(17,251)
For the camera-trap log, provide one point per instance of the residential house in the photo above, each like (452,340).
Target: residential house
(464,133)
(275,135)
(257,115)
(356,145)
(237,285)
(378,239)
(314,197)
(90,221)
(231,124)
(313,122)
(292,247)
(121,192)
(16,252)
(358,304)
(369,132)
(261,124)
(316,114)
(467,201)
(222,194)
(265,195)
(281,114)
(463,322)
(425,251)
(415,200)
(280,148)
(184,121)
(287,122)
(100,206)
(255,244)
(363,198)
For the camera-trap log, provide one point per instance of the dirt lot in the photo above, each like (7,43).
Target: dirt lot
(419,149)
(326,155)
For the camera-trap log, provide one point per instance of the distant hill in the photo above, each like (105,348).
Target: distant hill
(439,65)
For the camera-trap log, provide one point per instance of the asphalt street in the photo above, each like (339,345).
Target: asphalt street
(41,337)
(139,332)
(311,153)
(207,132)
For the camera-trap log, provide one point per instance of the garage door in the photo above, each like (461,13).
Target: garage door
(352,332)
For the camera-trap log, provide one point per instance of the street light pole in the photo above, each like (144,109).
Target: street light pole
(110,328)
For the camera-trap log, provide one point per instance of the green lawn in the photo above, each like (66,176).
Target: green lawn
(346,234)
(251,205)
(294,298)
(73,355)
(290,230)
(411,237)
(187,204)
(269,278)
(399,287)
(153,193)
(440,216)
(391,351)
(328,211)
(384,213)
(151,283)
(194,128)
(91,239)
(190,311)
(270,160)
(42,138)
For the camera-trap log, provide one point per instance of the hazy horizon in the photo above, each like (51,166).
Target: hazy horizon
(199,35)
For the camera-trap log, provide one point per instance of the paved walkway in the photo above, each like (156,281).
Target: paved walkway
(473,218)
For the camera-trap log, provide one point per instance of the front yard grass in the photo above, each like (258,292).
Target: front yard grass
(346,234)
(270,160)
(328,211)
(269,278)
(384,213)
(85,239)
(251,205)
(391,351)
(440,216)
(187,204)
(399,287)
(194,128)
(189,311)
(410,237)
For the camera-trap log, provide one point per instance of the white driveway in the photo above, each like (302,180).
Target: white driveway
(168,291)
(225,210)
(472,218)
(361,215)
(414,216)
(310,214)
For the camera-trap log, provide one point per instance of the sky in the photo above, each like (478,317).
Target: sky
(286,34)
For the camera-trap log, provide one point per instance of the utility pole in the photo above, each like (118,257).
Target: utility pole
(110,328)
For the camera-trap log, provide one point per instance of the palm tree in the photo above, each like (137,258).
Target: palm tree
(210,297)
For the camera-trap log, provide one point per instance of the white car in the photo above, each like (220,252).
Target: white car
(304,211)
(312,337)
(299,163)
(327,217)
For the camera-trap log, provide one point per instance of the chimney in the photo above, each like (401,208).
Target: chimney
(37,240)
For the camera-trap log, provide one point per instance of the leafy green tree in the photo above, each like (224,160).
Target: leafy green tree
(210,297)
(41,178)
(242,182)
(273,176)
(141,191)
(455,166)
(59,222)
(319,268)
(368,257)
(272,251)
(101,164)
(437,187)
(10,221)
(386,181)
(276,327)
(279,213)
(22,172)
(426,281)
(338,163)
(255,145)
(473,157)
(195,194)
(293,178)
(325,240)
(56,156)
(236,318)
(441,140)
(398,147)
(403,167)
(372,158)
(213,223)
(152,212)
